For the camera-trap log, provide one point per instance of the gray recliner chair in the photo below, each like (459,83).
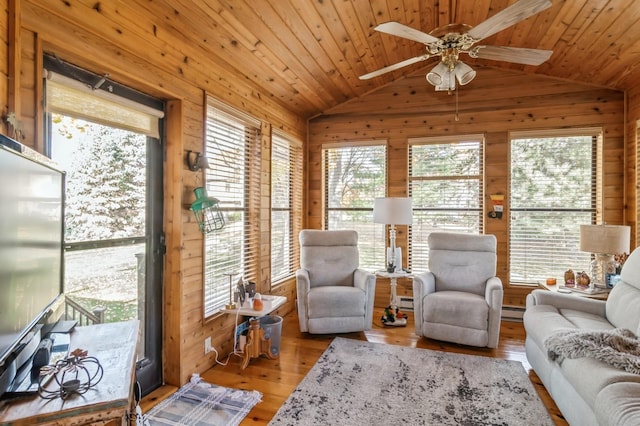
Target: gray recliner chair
(460,299)
(334,295)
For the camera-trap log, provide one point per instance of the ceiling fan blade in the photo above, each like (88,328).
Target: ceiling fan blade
(401,30)
(507,17)
(518,55)
(394,67)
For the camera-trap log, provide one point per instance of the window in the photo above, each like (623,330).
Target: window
(286,205)
(553,189)
(233,153)
(445,184)
(353,177)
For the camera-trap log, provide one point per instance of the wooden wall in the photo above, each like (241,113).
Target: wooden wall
(493,104)
(631,161)
(147,53)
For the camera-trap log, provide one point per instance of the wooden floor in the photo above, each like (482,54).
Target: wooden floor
(276,379)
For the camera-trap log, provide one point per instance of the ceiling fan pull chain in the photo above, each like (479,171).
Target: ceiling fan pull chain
(457,117)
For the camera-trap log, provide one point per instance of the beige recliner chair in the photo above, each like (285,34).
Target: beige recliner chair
(334,295)
(460,299)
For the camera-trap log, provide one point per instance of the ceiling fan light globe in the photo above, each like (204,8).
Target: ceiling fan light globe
(437,75)
(448,83)
(434,79)
(464,73)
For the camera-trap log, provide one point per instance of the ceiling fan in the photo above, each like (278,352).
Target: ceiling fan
(451,40)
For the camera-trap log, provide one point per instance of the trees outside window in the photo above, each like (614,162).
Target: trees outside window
(553,190)
(353,177)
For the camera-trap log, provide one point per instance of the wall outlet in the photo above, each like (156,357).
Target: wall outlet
(207,345)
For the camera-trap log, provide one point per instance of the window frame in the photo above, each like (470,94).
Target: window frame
(595,210)
(221,178)
(418,259)
(294,179)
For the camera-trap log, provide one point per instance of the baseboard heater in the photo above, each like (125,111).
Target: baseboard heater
(509,313)
(512,313)
(405,302)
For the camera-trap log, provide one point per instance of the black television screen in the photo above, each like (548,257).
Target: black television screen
(31,238)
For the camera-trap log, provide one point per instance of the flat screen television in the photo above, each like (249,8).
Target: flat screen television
(31,243)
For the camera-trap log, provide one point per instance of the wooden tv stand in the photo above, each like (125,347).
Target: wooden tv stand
(109,402)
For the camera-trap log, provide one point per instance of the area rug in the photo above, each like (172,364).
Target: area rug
(362,383)
(203,404)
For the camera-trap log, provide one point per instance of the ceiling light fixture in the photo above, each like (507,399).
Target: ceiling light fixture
(444,75)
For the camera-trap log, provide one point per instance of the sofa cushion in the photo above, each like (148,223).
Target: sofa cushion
(336,301)
(540,321)
(330,257)
(585,320)
(622,306)
(590,376)
(462,262)
(456,308)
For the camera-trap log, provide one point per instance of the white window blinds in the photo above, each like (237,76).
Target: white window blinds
(233,177)
(446,186)
(286,205)
(553,189)
(73,98)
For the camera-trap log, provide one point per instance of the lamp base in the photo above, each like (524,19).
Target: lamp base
(394,259)
(230,306)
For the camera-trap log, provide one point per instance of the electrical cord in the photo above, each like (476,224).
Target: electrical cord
(235,344)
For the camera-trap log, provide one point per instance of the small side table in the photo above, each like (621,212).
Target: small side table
(393,281)
(601,294)
(256,343)
(271,303)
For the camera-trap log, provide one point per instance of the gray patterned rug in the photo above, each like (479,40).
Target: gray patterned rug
(362,383)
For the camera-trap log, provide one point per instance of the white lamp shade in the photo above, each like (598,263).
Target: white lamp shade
(393,211)
(464,73)
(437,74)
(605,239)
(448,82)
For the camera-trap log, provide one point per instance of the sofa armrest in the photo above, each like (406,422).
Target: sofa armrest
(366,281)
(423,284)
(302,289)
(493,294)
(566,301)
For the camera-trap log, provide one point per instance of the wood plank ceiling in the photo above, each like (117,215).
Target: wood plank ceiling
(308,54)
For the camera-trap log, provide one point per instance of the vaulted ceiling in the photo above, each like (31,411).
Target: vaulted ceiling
(308,54)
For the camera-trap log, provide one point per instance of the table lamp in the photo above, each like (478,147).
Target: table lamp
(393,211)
(604,241)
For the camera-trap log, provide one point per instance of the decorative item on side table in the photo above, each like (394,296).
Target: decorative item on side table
(231,304)
(393,211)
(604,241)
(569,278)
(393,317)
(74,374)
(612,276)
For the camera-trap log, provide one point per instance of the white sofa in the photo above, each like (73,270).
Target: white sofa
(587,391)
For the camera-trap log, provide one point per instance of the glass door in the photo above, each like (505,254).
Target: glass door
(114,242)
